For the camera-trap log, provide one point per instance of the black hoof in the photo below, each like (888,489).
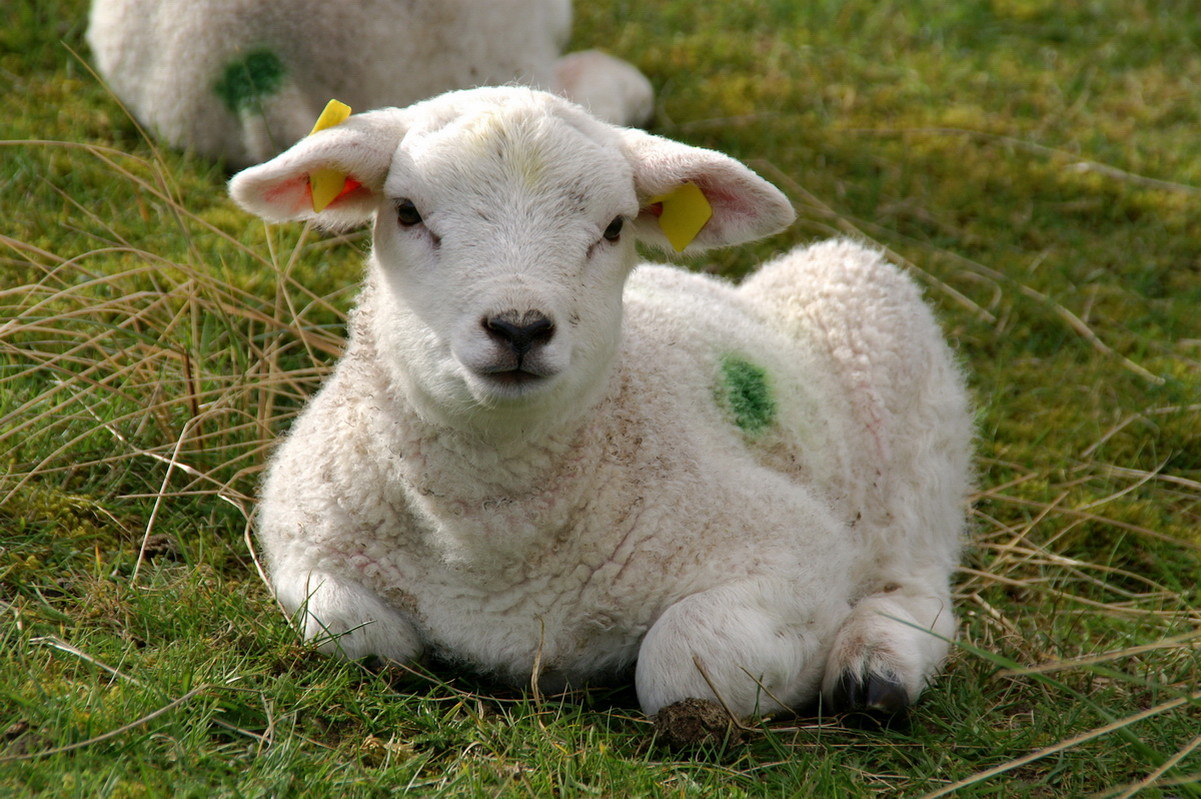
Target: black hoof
(880,695)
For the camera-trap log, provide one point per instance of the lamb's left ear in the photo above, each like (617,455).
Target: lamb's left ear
(359,150)
(672,178)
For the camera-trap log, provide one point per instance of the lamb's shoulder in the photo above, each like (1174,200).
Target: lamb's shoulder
(335,470)
(745,386)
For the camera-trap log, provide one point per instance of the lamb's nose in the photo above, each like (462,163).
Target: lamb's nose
(520,332)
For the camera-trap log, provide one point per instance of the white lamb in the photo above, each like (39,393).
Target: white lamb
(243,79)
(537,459)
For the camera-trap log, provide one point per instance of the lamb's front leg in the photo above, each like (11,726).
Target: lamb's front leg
(343,617)
(889,647)
(753,645)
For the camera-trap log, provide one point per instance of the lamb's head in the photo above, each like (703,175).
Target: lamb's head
(505,222)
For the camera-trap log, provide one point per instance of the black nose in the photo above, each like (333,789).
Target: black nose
(520,331)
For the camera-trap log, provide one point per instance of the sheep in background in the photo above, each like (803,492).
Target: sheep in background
(241,80)
(537,459)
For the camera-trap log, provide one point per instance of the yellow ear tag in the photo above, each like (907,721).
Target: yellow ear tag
(327,184)
(685,212)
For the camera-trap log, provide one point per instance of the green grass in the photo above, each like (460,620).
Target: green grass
(1036,162)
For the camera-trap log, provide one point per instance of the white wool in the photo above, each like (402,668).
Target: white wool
(243,79)
(755,490)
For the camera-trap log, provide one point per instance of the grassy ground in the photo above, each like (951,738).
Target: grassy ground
(1038,164)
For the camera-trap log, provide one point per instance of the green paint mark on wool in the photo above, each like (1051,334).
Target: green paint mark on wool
(245,83)
(747,394)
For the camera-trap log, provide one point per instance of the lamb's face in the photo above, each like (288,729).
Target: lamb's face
(504,238)
(504,227)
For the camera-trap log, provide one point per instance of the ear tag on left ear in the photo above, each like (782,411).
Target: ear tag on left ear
(685,210)
(326,185)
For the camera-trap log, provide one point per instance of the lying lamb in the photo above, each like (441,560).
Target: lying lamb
(243,79)
(538,460)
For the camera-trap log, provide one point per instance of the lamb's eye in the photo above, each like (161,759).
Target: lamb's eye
(407,214)
(613,231)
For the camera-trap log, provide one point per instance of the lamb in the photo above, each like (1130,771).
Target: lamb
(542,461)
(240,80)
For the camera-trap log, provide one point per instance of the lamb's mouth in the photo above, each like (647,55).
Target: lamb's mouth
(514,377)
(513,383)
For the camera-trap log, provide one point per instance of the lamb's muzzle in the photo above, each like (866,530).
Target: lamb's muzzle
(520,332)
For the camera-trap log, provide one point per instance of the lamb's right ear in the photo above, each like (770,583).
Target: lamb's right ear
(361,148)
(693,199)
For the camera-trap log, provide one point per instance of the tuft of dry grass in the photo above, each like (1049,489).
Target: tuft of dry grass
(132,357)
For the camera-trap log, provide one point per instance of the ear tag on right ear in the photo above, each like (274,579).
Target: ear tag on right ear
(326,185)
(685,210)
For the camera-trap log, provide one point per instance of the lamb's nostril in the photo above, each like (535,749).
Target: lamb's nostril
(520,332)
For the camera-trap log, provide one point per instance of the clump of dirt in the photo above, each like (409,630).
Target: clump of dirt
(696,722)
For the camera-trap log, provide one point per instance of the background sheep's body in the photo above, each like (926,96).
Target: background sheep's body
(762,477)
(243,79)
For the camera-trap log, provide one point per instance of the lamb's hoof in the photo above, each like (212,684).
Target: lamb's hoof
(876,698)
(696,722)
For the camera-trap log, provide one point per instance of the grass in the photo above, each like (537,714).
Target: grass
(1036,163)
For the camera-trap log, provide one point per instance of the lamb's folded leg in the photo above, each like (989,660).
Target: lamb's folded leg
(888,648)
(752,645)
(345,618)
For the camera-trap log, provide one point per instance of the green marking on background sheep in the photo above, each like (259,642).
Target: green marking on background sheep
(746,392)
(245,83)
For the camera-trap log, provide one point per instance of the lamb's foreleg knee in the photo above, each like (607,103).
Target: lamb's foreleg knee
(888,648)
(748,645)
(343,617)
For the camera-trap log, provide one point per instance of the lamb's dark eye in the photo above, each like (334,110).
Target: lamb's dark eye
(407,214)
(613,231)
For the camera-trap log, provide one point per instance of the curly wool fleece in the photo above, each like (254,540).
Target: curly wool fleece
(537,455)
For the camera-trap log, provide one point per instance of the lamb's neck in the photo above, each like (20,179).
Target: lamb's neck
(485,506)
(484,485)
(484,466)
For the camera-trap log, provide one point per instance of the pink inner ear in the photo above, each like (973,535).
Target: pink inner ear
(290,197)
(730,202)
(294,197)
(350,187)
